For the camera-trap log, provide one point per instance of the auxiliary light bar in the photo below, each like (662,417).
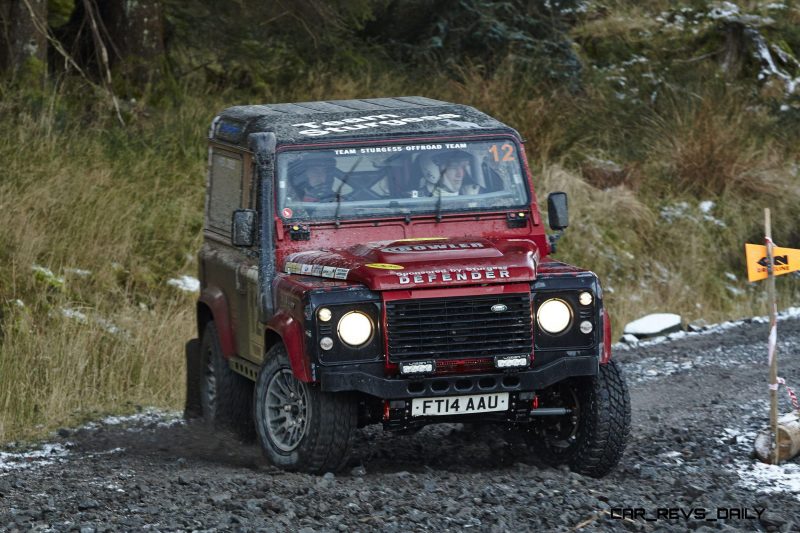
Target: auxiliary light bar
(511,361)
(417,367)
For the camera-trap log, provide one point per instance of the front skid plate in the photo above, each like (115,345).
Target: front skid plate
(341,379)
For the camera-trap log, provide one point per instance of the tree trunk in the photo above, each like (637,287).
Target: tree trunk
(735,49)
(136,32)
(24,24)
(121,39)
(5,43)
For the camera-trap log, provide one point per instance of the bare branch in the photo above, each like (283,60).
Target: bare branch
(44,30)
(91,9)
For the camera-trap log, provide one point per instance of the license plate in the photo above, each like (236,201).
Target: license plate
(459,405)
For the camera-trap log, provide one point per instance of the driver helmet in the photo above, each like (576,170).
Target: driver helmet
(451,156)
(429,169)
(312,167)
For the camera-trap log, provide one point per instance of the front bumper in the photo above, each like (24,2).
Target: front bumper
(370,379)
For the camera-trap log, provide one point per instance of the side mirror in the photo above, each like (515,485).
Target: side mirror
(557,210)
(243,227)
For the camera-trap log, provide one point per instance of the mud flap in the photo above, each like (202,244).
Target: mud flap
(194,373)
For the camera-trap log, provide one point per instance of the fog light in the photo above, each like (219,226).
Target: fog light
(585,298)
(586,327)
(324,314)
(417,367)
(326,343)
(511,361)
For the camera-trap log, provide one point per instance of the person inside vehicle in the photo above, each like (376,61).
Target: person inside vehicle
(446,174)
(312,179)
(391,173)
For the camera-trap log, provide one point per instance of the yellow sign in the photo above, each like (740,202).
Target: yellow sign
(784,260)
(420,239)
(385,266)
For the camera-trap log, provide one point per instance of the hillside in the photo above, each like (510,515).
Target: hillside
(671,126)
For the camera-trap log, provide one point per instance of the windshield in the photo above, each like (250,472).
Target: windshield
(400,180)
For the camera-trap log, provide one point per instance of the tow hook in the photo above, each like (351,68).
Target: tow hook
(550,411)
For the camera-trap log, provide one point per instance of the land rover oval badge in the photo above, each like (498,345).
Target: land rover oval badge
(499,308)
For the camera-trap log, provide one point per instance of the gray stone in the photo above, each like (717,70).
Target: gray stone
(219,498)
(773,519)
(85,505)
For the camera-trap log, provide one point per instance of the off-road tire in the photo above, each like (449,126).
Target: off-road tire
(602,429)
(229,407)
(193,408)
(331,420)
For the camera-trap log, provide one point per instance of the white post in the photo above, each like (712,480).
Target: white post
(773,338)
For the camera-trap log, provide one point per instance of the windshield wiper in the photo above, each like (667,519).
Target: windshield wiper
(339,191)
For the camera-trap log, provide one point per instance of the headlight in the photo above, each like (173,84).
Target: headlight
(554,316)
(355,328)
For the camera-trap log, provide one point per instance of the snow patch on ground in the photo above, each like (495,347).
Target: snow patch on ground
(83,318)
(682,210)
(47,275)
(736,291)
(755,475)
(149,416)
(673,212)
(80,272)
(706,206)
(769,69)
(185,283)
(75,315)
(51,453)
(46,455)
(725,10)
(762,477)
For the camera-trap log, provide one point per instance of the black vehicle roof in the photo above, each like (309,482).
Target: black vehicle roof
(339,120)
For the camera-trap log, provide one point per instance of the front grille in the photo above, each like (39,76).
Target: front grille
(461,366)
(457,328)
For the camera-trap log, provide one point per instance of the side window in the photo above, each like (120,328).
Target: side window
(224,189)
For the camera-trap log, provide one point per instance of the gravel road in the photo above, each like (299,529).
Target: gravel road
(697,403)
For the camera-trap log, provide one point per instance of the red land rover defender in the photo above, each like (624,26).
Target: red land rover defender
(384,261)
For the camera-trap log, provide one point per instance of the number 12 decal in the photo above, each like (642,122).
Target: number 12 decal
(507,155)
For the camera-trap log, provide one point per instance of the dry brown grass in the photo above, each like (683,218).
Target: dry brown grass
(58,370)
(542,117)
(617,22)
(706,144)
(119,205)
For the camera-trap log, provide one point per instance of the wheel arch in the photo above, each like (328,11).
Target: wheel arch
(283,328)
(213,306)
